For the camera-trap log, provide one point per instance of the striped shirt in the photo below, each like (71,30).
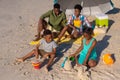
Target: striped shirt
(82,21)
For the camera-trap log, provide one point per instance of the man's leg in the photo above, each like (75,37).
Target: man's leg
(42,24)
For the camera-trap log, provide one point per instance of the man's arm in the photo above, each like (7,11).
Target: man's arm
(64,20)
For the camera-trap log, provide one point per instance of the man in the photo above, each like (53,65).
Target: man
(56,22)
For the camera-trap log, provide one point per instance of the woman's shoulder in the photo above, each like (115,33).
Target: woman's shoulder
(94,41)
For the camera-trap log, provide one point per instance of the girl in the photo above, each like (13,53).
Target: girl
(87,50)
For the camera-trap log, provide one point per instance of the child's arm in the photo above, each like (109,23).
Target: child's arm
(37,54)
(90,50)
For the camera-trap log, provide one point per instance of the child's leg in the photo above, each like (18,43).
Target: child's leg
(33,52)
(52,56)
(92,63)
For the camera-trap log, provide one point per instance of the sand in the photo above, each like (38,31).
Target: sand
(18,24)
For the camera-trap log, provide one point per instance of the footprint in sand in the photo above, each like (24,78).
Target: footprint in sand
(26,73)
(15,63)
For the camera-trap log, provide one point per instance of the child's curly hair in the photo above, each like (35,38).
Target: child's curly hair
(47,32)
(78,6)
(88,30)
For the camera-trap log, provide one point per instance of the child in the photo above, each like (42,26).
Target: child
(87,50)
(76,21)
(46,48)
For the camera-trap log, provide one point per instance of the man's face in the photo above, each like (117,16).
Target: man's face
(77,12)
(56,11)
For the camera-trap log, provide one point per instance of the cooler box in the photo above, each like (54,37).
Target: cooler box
(101,20)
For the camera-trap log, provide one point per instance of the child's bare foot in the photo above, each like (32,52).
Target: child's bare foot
(46,69)
(20,59)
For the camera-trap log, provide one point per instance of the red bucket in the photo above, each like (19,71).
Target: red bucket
(36,64)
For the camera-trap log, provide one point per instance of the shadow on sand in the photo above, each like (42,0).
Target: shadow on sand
(102,44)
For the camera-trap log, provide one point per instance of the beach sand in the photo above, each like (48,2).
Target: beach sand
(18,25)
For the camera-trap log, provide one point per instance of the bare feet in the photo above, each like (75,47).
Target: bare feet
(46,69)
(20,59)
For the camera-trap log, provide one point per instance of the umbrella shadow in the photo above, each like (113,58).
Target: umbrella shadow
(114,11)
(101,45)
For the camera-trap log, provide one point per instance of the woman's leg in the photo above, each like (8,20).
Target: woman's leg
(92,63)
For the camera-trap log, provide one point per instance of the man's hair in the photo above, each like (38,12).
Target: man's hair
(78,6)
(47,32)
(88,30)
(56,5)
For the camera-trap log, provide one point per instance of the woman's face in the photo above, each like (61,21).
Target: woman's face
(87,36)
(77,12)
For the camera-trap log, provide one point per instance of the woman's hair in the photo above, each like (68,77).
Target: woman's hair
(47,32)
(56,5)
(78,6)
(88,30)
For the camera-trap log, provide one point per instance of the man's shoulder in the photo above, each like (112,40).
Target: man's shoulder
(62,12)
(50,11)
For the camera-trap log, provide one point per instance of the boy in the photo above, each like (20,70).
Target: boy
(46,48)
(76,21)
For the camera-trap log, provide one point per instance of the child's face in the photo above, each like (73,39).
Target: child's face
(48,38)
(87,36)
(77,12)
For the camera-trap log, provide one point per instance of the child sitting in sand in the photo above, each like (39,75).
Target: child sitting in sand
(87,50)
(46,48)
